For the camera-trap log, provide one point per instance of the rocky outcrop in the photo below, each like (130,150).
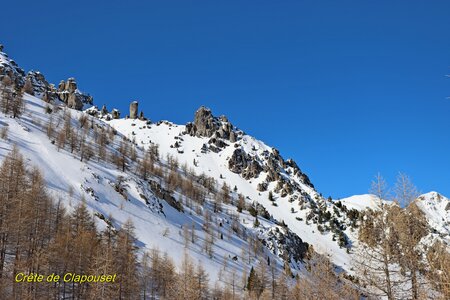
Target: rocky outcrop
(244,164)
(284,187)
(276,168)
(253,170)
(285,244)
(104,110)
(33,83)
(238,161)
(39,84)
(305,179)
(68,93)
(206,125)
(290,163)
(164,194)
(262,187)
(115,114)
(134,110)
(9,68)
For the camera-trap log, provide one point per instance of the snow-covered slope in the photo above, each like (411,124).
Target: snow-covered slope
(436,208)
(194,151)
(158,224)
(298,210)
(361,202)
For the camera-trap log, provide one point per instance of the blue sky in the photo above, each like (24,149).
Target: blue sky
(346,88)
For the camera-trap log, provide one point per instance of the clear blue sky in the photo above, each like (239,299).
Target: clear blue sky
(346,88)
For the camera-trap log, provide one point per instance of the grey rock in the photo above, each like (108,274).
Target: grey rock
(238,161)
(232,137)
(262,187)
(241,163)
(40,86)
(204,123)
(305,179)
(61,86)
(71,85)
(74,101)
(253,170)
(134,110)
(164,194)
(115,114)
(290,246)
(68,93)
(104,110)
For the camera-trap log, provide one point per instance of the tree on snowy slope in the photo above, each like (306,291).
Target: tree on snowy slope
(6,94)
(411,227)
(390,255)
(126,262)
(438,258)
(377,254)
(11,101)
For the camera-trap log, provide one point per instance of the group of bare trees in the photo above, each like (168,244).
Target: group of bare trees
(321,282)
(11,97)
(391,260)
(88,140)
(38,235)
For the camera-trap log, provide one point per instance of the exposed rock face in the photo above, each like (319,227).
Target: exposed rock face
(68,92)
(40,86)
(205,125)
(253,170)
(262,187)
(233,137)
(104,111)
(74,102)
(242,163)
(33,83)
(115,114)
(276,168)
(165,195)
(61,86)
(134,110)
(305,179)
(291,163)
(71,85)
(288,245)
(284,187)
(238,161)
(9,68)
